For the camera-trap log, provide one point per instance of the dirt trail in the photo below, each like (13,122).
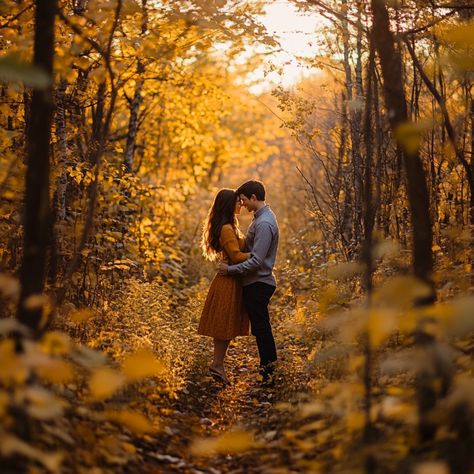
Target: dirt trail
(206,408)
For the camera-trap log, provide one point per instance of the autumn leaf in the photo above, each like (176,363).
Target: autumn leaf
(14,69)
(81,315)
(135,422)
(230,442)
(36,301)
(57,371)
(104,382)
(41,404)
(142,364)
(55,342)
(409,134)
(10,445)
(9,286)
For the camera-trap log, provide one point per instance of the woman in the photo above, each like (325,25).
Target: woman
(223,316)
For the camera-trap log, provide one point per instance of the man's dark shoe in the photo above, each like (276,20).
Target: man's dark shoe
(268,376)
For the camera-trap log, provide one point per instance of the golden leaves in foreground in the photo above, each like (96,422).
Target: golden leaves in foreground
(135,422)
(10,445)
(56,371)
(230,442)
(40,403)
(142,364)
(9,286)
(36,301)
(409,135)
(104,382)
(431,467)
(55,342)
(81,315)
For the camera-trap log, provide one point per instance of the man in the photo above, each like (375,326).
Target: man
(257,272)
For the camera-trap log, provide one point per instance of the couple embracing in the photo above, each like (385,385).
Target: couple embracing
(241,290)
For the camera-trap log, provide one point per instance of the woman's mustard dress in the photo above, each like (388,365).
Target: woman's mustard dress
(224,316)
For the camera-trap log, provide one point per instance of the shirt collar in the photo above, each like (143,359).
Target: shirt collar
(260,211)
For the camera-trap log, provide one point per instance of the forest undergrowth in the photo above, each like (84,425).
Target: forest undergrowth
(109,414)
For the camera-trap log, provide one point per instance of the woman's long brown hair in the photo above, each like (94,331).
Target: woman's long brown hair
(221,212)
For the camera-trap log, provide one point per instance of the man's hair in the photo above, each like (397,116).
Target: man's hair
(252,187)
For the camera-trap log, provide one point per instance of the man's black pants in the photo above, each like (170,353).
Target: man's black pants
(256,298)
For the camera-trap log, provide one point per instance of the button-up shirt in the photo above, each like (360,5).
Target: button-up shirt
(262,243)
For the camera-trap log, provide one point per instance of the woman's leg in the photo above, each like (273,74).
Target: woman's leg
(220,349)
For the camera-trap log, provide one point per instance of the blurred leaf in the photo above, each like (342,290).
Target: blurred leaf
(392,408)
(402,292)
(9,286)
(55,342)
(14,69)
(58,371)
(41,404)
(135,422)
(431,467)
(10,445)
(462,34)
(230,442)
(355,421)
(312,408)
(385,249)
(36,301)
(87,357)
(8,325)
(456,317)
(105,382)
(142,364)
(12,367)
(345,270)
(381,323)
(81,315)
(409,134)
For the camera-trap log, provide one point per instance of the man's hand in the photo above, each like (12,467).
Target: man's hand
(222,269)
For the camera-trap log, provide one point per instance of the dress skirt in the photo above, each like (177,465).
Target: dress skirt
(224,315)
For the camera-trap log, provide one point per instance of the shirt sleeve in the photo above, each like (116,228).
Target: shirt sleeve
(230,245)
(262,242)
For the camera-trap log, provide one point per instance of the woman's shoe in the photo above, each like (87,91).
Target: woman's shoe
(219,376)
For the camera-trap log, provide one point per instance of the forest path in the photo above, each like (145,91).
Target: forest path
(204,408)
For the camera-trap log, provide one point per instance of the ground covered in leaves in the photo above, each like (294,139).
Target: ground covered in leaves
(128,390)
(200,424)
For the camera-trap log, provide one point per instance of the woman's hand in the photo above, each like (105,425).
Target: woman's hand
(222,269)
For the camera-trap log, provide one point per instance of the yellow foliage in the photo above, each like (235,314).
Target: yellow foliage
(9,286)
(462,34)
(54,342)
(81,315)
(431,467)
(135,422)
(355,421)
(142,364)
(104,382)
(230,442)
(56,371)
(40,403)
(10,445)
(409,134)
(36,301)
(381,323)
(401,292)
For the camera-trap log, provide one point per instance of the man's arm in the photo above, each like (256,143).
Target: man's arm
(262,242)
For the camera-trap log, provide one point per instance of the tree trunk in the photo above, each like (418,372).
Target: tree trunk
(394,94)
(136,102)
(62,151)
(37,214)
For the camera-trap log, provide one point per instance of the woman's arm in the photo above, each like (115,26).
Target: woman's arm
(230,245)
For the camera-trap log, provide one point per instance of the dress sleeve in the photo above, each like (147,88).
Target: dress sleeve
(230,245)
